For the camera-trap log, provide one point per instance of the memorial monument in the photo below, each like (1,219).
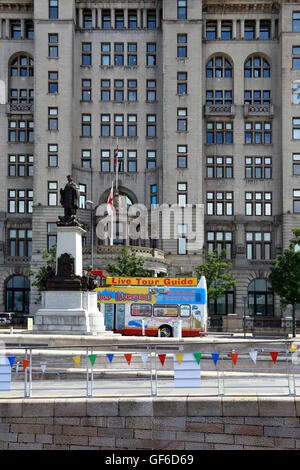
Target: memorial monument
(69,302)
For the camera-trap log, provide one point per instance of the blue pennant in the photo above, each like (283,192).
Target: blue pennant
(110,357)
(215,357)
(11,360)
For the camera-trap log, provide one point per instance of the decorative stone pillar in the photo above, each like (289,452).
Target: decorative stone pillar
(234,29)
(257,29)
(242,29)
(99,18)
(125,18)
(93,18)
(80,18)
(219,29)
(7,32)
(22,28)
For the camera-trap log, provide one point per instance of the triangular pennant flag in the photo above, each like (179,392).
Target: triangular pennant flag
(144,357)
(128,358)
(215,357)
(274,355)
(11,360)
(92,358)
(198,357)
(179,358)
(162,358)
(234,357)
(25,363)
(253,355)
(293,348)
(43,366)
(110,357)
(76,359)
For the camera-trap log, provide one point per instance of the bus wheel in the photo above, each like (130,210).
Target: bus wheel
(165,331)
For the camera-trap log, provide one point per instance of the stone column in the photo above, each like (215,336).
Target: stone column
(7,32)
(272,32)
(80,18)
(157,18)
(138,18)
(144,16)
(22,28)
(219,29)
(242,29)
(257,29)
(99,18)
(234,29)
(125,18)
(112,18)
(94,18)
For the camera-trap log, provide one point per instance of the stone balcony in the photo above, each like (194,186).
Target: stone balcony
(258,110)
(219,110)
(18,108)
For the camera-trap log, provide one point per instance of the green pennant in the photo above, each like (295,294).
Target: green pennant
(198,357)
(92,358)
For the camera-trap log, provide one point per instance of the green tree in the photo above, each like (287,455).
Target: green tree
(285,276)
(217,279)
(50,258)
(128,264)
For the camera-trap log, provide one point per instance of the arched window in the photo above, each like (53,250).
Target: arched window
(218,67)
(260,298)
(257,67)
(219,92)
(22,66)
(17,294)
(21,81)
(223,305)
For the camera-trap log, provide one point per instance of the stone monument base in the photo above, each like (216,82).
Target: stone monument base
(69,312)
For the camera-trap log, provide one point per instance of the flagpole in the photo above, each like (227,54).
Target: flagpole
(117,167)
(112,220)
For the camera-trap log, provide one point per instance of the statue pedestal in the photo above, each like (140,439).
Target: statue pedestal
(69,240)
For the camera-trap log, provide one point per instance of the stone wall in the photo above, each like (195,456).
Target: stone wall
(188,423)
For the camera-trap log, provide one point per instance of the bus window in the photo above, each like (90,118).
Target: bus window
(165,310)
(185,310)
(140,310)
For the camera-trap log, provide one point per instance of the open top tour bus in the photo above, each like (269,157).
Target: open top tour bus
(155,306)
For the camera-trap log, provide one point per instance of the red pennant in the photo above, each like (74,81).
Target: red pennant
(234,357)
(162,358)
(128,358)
(25,363)
(274,355)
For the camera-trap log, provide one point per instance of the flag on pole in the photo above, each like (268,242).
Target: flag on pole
(110,201)
(116,154)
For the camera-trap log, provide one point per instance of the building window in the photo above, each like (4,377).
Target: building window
(219,241)
(105,54)
(182,155)
(132,54)
(132,161)
(118,54)
(20,131)
(53,82)
(22,66)
(119,90)
(151,159)
(219,203)
(219,97)
(86,125)
(105,125)
(219,167)
(86,54)
(29,29)
(86,158)
(218,67)
(258,245)
(132,19)
(17,294)
(296,201)
(86,89)
(151,90)
(296,21)
(182,122)
(105,161)
(296,128)
(153,194)
(257,67)
(219,132)
(182,194)
(53,9)
(296,92)
(87,19)
(119,19)
(105,90)
(258,203)
(181,240)
(51,235)
(249,32)
(257,97)
(52,193)
(119,125)
(53,45)
(296,164)
(181,9)
(106,19)
(20,242)
(20,201)
(82,197)
(258,167)
(264,29)
(182,83)
(211,30)
(52,119)
(132,90)
(22,96)
(182,46)
(260,298)
(20,165)
(151,19)
(226,30)
(223,305)
(15,29)
(52,155)
(151,54)
(151,125)
(258,133)
(132,125)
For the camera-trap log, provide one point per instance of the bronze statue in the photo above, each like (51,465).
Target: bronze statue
(69,197)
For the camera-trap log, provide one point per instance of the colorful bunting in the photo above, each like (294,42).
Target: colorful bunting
(25,363)
(162,358)
(179,358)
(11,360)
(110,357)
(198,357)
(128,358)
(76,359)
(274,355)
(43,366)
(234,357)
(144,357)
(215,357)
(92,358)
(293,348)
(253,355)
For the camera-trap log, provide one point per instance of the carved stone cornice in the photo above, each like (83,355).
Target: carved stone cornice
(242,6)
(16,5)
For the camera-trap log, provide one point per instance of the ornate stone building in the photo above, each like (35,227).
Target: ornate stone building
(202,98)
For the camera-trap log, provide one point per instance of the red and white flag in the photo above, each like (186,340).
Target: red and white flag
(110,201)
(116,154)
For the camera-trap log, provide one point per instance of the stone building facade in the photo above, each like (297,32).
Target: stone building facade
(202,98)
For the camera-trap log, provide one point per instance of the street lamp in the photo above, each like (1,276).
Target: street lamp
(91,203)
(244,299)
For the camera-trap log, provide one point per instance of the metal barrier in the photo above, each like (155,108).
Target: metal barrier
(150,370)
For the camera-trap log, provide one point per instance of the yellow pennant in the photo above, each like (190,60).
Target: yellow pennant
(77,360)
(293,348)
(179,358)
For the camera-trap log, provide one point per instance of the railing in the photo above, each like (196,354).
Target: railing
(257,109)
(221,109)
(21,108)
(149,370)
